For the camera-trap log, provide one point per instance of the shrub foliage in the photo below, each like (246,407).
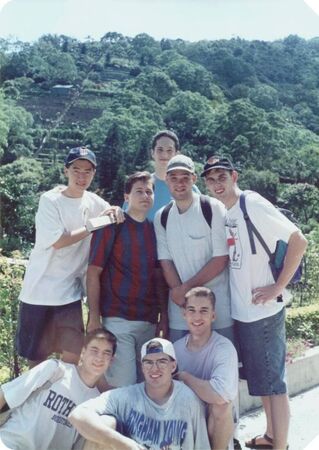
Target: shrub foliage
(11,274)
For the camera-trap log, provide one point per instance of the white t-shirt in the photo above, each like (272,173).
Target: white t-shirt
(177,424)
(39,416)
(216,361)
(56,277)
(248,271)
(190,243)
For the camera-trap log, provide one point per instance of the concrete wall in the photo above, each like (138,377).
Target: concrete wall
(302,374)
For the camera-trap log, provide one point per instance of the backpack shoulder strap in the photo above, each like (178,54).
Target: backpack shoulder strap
(251,229)
(164,214)
(242,204)
(206,209)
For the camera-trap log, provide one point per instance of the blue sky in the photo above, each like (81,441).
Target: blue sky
(187,19)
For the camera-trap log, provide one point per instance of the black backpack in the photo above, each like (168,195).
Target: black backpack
(204,204)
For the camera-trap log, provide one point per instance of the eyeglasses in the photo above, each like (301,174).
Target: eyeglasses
(161,364)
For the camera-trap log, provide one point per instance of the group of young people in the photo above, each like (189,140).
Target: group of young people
(174,264)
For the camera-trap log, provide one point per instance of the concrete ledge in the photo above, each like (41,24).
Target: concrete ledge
(302,374)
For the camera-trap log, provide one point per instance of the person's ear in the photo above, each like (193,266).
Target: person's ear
(184,311)
(126,196)
(234,176)
(174,367)
(66,171)
(81,357)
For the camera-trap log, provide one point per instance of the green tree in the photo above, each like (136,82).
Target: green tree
(119,138)
(4,126)
(253,137)
(111,159)
(191,115)
(146,48)
(19,186)
(303,200)
(190,76)
(264,182)
(309,290)
(20,133)
(265,97)
(128,98)
(11,275)
(64,69)
(115,45)
(17,63)
(155,84)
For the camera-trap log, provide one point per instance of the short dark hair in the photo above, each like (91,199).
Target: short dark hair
(201,292)
(101,334)
(134,178)
(168,134)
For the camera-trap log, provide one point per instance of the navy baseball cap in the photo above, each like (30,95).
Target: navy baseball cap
(80,153)
(217,162)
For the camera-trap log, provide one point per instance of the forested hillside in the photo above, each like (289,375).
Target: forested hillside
(255,101)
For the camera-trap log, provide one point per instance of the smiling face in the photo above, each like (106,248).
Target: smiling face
(199,315)
(141,197)
(180,184)
(163,151)
(80,175)
(96,357)
(157,369)
(221,184)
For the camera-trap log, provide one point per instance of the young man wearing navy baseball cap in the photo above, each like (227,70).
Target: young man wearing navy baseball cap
(257,296)
(50,315)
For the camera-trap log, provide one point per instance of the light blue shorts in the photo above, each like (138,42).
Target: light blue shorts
(263,353)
